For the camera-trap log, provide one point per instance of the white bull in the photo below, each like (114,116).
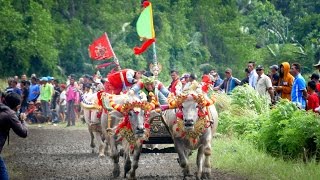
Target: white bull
(192,125)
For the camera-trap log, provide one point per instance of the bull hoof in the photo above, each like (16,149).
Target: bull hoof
(121,152)
(205,175)
(92,151)
(101,155)
(116,171)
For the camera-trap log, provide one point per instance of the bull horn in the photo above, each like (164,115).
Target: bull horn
(172,101)
(115,106)
(153,102)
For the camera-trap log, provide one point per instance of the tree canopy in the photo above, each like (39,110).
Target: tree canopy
(52,37)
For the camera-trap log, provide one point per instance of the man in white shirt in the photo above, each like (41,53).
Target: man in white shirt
(264,85)
(253,76)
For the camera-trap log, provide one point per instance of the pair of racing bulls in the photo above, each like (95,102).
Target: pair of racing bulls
(192,120)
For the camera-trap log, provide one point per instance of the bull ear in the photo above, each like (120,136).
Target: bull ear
(115,106)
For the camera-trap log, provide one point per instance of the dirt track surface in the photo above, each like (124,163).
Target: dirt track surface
(64,153)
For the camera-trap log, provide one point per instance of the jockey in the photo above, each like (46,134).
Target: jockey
(149,84)
(114,83)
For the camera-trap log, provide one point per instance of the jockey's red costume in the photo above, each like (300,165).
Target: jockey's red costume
(114,84)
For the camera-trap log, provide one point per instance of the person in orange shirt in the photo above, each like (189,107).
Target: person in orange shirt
(285,82)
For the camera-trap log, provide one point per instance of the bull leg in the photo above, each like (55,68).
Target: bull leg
(102,145)
(135,161)
(206,173)
(127,161)
(115,157)
(104,124)
(200,159)
(92,145)
(183,159)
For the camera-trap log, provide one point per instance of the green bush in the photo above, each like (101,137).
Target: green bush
(284,131)
(288,131)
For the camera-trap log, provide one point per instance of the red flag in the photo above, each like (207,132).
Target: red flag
(101,48)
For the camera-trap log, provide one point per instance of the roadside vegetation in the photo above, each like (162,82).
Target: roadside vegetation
(258,142)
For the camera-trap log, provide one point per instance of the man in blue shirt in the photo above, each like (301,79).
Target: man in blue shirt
(34,90)
(299,91)
(229,82)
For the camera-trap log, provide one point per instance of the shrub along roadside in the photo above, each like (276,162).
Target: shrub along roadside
(285,131)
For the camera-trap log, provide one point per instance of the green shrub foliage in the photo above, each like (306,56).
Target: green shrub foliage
(284,131)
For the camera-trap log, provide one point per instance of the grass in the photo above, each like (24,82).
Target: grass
(242,158)
(3,84)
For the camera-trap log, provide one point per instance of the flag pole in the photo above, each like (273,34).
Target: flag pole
(116,61)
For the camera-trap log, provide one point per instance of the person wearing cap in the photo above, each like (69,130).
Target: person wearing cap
(149,84)
(274,76)
(284,87)
(46,92)
(184,80)
(229,82)
(192,84)
(216,79)
(114,85)
(317,66)
(175,85)
(264,85)
(253,76)
(299,91)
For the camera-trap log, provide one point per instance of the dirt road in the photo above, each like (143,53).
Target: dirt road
(64,153)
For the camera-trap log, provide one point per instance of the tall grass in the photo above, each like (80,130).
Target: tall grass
(242,158)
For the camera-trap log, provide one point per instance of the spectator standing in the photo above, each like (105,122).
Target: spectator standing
(284,87)
(184,79)
(34,90)
(229,82)
(14,87)
(176,85)
(16,78)
(62,102)
(264,85)
(274,76)
(315,77)
(9,89)
(246,79)
(313,100)
(217,81)
(298,92)
(25,93)
(45,98)
(9,120)
(54,102)
(253,76)
(71,95)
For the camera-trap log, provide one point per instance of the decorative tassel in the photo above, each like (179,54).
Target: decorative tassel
(144,46)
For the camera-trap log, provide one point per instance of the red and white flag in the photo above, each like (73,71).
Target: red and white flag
(101,48)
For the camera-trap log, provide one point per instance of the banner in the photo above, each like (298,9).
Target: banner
(101,48)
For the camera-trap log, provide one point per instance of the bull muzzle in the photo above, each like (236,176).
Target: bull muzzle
(188,123)
(139,131)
